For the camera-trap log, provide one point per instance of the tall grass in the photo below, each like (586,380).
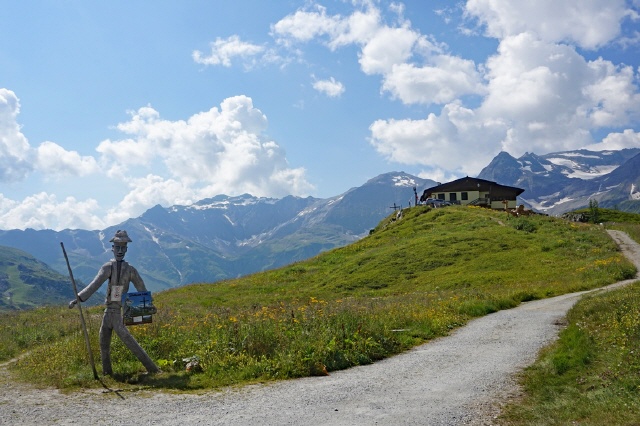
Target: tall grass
(409,281)
(20,331)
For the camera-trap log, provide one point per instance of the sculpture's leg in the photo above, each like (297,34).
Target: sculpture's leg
(134,347)
(105,343)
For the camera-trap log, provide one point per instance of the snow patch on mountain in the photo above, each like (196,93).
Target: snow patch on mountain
(223,206)
(153,236)
(580,171)
(306,211)
(633,194)
(546,204)
(582,155)
(334,200)
(403,181)
(252,241)
(224,202)
(594,172)
(101,238)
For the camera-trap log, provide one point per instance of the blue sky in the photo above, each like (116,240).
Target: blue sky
(109,108)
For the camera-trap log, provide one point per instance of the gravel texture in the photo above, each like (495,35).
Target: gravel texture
(459,379)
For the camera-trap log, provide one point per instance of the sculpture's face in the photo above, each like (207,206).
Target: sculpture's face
(119,250)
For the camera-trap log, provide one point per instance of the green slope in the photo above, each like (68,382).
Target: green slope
(25,282)
(435,250)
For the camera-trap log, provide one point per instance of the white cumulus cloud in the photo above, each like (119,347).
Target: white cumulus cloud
(387,47)
(16,156)
(413,67)
(428,141)
(537,92)
(540,97)
(616,141)
(52,159)
(148,191)
(446,80)
(224,150)
(43,210)
(223,51)
(329,87)
(305,25)
(587,23)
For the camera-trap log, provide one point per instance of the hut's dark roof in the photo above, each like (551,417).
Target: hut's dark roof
(475,184)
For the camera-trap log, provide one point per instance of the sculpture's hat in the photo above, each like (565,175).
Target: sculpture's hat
(121,237)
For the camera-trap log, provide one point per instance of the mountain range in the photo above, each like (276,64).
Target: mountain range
(225,237)
(559,182)
(229,236)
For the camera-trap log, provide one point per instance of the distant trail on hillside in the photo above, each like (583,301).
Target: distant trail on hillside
(460,379)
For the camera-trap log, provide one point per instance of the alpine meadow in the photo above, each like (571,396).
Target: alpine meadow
(412,279)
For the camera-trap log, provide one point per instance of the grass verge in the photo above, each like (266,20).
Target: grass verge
(591,375)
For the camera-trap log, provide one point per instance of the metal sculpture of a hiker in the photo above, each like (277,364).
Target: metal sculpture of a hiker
(119,274)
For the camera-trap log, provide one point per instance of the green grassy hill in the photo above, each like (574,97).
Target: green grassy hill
(25,282)
(409,281)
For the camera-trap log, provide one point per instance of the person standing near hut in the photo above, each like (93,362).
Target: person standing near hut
(119,274)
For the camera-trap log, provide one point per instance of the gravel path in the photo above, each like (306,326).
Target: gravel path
(458,379)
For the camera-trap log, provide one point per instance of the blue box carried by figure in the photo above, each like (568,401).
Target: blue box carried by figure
(138,308)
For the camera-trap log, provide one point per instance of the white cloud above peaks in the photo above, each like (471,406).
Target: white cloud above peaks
(440,142)
(537,92)
(52,159)
(15,153)
(43,210)
(616,141)
(587,23)
(447,79)
(223,150)
(551,98)
(148,191)
(613,94)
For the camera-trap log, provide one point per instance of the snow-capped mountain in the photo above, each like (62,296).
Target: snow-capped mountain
(224,237)
(563,181)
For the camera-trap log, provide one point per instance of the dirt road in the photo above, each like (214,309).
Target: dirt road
(458,379)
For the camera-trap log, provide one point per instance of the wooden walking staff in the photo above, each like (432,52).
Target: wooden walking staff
(84,326)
